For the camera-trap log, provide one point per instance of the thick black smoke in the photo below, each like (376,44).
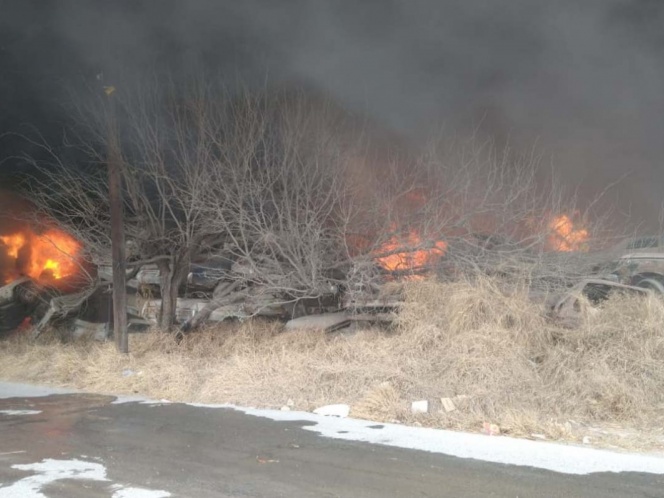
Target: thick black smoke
(582,79)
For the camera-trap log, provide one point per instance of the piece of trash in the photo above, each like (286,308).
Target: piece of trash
(538,436)
(448,404)
(333,410)
(490,429)
(285,408)
(566,427)
(586,440)
(266,460)
(127,373)
(420,406)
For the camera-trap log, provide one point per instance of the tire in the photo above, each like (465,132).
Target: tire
(653,284)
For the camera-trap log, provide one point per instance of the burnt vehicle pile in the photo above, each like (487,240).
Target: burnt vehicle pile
(634,266)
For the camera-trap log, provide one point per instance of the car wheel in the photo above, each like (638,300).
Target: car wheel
(653,284)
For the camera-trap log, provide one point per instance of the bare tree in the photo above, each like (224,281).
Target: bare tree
(465,208)
(280,196)
(300,198)
(166,154)
(308,211)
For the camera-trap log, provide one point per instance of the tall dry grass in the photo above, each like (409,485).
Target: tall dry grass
(492,351)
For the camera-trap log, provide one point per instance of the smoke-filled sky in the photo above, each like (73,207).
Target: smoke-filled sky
(584,80)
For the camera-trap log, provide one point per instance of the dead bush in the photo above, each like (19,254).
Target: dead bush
(610,368)
(485,346)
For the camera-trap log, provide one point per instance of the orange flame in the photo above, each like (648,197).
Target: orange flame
(409,260)
(46,256)
(565,236)
(13,244)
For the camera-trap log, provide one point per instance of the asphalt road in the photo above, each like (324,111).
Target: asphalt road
(139,450)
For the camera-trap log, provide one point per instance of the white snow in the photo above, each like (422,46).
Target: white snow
(562,458)
(121,400)
(20,412)
(497,449)
(16,390)
(130,492)
(48,471)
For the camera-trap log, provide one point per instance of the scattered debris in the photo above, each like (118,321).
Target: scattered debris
(567,309)
(62,306)
(328,322)
(490,429)
(82,329)
(288,406)
(448,404)
(18,300)
(339,410)
(419,406)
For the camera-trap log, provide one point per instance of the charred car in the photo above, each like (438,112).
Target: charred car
(640,264)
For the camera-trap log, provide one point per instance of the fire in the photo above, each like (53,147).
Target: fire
(46,256)
(409,260)
(409,252)
(13,244)
(565,236)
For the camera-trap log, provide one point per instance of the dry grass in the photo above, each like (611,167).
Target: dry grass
(493,353)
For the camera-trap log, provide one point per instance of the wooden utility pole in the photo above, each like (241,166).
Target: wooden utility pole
(114,159)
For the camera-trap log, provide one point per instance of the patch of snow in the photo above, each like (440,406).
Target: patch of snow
(20,412)
(16,390)
(505,450)
(121,400)
(49,471)
(561,458)
(131,492)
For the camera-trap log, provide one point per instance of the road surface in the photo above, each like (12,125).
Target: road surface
(82,445)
